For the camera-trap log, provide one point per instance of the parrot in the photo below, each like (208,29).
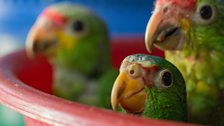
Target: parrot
(190,33)
(76,43)
(150,87)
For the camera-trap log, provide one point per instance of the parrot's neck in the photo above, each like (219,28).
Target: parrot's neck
(73,72)
(86,88)
(160,105)
(202,70)
(69,73)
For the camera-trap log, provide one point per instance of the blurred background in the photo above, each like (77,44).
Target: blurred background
(124,18)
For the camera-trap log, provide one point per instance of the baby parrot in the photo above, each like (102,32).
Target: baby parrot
(151,87)
(76,43)
(190,32)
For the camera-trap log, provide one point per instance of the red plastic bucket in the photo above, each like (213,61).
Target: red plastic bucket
(25,86)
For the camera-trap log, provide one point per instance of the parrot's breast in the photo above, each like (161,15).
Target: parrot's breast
(203,74)
(76,87)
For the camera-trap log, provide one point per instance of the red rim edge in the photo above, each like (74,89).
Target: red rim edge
(52,110)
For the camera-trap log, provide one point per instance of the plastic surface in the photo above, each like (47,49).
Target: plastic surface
(9,117)
(18,76)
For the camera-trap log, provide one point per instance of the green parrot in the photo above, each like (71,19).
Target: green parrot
(76,43)
(190,32)
(150,86)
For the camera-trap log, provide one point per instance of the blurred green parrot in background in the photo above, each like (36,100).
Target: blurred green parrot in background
(76,42)
(151,87)
(190,32)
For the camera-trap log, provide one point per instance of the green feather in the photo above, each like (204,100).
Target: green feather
(169,103)
(81,61)
(202,67)
(104,90)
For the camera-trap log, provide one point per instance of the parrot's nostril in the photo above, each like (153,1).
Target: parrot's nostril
(165,9)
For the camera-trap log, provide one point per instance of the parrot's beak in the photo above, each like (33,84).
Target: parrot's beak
(129,93)
(165,32)
(41,40)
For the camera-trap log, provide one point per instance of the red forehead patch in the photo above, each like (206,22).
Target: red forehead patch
(151,69)
(54,16)
(181,3)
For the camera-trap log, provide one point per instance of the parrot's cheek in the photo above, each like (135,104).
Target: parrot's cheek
(134,103)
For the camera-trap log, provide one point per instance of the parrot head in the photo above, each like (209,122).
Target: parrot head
(175,23)
(69,35)
(147,85)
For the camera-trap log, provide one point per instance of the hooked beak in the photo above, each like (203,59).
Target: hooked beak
(165,32)
(129,93)
(41,40)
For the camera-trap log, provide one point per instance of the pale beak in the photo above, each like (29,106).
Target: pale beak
(164,33)
(41,40)
(129,93)
(151,29)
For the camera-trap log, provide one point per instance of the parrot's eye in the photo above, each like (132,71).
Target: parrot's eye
(167,78)
(78,26)
(134,71)
(205,14)
(164,79)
